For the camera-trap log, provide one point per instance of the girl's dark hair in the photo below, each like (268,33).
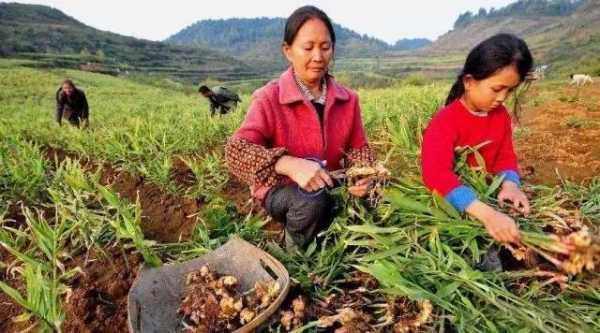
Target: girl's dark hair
(491,55)
(299,17)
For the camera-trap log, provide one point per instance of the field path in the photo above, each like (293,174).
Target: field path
(560,132)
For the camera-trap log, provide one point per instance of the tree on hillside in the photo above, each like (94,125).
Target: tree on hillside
(530,8)
(85,54)
(100,57)
(261,38)
(463,19)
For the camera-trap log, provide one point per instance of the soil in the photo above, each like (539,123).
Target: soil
(99,295)
(239,193)
(559,134)
(98,302)
(354,297)
(8,309)
(98,299)
(165,217)
(59,155)
(14,216)
(181,174)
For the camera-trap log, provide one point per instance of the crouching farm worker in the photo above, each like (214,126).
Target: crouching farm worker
(220,98)
(71,104)
(297,129)
(580,79)
(475,114)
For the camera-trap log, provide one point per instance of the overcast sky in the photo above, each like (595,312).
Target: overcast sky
(156,20)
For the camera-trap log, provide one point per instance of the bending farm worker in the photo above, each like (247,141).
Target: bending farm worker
(220,98)
(71,104)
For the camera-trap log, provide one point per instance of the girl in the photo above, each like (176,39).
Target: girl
(297,129)
(474,113)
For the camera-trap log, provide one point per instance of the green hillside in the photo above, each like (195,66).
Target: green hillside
(54,39)
(258,40)
(562,33)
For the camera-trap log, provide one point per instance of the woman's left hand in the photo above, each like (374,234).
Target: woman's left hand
(511,192)
(361,188)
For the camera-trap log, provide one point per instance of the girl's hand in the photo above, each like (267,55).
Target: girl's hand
(361,188)
(307,174)
(511,192)
(500,226)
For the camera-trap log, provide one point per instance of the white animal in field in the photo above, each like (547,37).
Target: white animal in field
(540,71)
(580,79)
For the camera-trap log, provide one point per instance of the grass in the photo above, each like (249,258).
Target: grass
(592,104)
(415,244)
(574,122)
(127,224)
(43,272)
(209,176)
(23,175)
(134,126)
(435,262)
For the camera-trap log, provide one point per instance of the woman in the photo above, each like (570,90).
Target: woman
(298,128)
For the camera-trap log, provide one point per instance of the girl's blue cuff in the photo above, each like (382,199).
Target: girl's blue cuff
(461,197)
(511,175)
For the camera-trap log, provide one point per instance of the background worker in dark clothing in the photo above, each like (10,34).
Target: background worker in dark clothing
(220,98)
(72,105)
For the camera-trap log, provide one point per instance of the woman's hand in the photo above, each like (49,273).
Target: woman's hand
(361,188)
(500,226)
(306,173)
(511,192)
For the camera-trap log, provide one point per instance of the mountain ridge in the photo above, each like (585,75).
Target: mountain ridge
(52,38)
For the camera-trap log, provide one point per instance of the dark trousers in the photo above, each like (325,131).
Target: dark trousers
(303,216)
(223,108)
(72,116)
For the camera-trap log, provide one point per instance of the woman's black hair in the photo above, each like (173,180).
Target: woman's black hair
(203,89)
(69,82)
(299,17)
(490,56)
